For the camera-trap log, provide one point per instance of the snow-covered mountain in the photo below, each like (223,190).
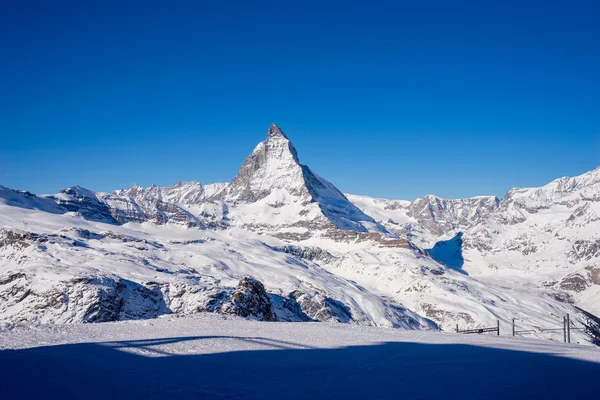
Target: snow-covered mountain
(427,219)
(274,193)
(546,238)
(314,254)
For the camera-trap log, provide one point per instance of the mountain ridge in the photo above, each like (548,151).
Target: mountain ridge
(183,248)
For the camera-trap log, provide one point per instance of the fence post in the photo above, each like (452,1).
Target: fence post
(498,327)
(513,327)
(568,329)
(565,329)
(456,328)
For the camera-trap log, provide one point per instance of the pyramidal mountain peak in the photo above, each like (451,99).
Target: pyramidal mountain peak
(273,174)
(275,130)
(272,165)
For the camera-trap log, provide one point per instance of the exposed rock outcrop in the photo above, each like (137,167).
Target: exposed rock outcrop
(311,253)
(319,307)
(250,300)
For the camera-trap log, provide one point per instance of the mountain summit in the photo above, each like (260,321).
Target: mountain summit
(272,174)
(274,130)
(273,165)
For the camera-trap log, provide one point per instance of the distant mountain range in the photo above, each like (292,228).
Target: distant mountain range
(314,253)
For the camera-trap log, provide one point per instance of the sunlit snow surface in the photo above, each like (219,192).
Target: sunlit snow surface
(208,356)
(84,256)
(382,286)
(546,238)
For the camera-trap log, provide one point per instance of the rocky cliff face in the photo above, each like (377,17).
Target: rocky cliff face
(184,203)
(429,219)
(84,203)
(441,216)
(250,299)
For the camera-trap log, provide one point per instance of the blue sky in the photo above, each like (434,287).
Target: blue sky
(390,99)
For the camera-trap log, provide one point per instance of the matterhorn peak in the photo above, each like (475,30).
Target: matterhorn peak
(275,131)
(273,174)
(272,165)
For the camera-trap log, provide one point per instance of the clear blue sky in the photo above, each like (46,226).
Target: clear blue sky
(391,99)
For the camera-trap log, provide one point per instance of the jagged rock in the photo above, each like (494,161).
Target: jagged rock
(563,297)
(319,307)
(18,240)
(102,299)
(73,300)
(85,203)
(574,282)
(138,205)
(308,253)
(440,216)
(249,300)
(585,249)
(594,274)
(581,280)
(141,301)
(157,204)
(190,298)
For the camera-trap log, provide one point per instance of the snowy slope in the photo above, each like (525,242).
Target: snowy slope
(548,237)
(211,357)
(67,269)
(83,256)
(544,238)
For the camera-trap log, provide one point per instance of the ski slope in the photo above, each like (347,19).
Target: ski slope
(210,356)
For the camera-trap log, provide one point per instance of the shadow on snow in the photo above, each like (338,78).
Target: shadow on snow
(387,370)
(449,252)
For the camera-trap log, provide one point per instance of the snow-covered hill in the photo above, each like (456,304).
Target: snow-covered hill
(314,254)
(546,238)
(62,268)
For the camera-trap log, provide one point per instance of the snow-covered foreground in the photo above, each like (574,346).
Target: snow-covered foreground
(210,356)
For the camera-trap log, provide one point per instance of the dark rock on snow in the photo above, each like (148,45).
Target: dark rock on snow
(250,299)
